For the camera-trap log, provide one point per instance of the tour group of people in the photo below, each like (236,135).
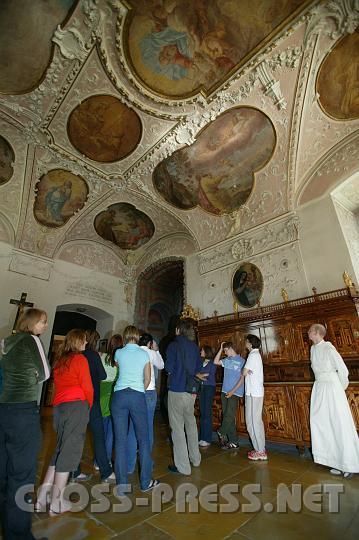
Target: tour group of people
(115,395)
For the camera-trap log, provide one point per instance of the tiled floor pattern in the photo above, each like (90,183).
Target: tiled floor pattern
(222,500)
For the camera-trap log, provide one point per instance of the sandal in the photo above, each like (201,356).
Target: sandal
(39,508)
(151,485)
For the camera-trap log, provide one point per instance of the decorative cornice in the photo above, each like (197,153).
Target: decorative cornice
(249,244)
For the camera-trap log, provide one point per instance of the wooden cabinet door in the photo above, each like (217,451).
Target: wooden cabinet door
(353,400)
(278,344)
(301,399)
(278,414)
(342,332)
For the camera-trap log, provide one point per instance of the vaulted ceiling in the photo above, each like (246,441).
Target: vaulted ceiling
(133,131)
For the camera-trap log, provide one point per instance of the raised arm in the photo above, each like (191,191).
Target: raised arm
(156,357)
(217,359)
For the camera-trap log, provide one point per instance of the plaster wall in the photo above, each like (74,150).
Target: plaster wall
(53,283)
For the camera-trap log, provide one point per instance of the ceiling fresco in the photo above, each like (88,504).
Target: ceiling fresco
(217,171)
(25,51)
(59,195)
(178,47)
(7,158)
(338,79)
(104,129)
(151,129)
(125,226)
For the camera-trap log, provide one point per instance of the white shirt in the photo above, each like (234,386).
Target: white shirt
(155,360)
(254,380)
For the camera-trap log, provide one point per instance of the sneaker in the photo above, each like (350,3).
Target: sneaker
(230,446)
(82,477)
(151,485)
(336,472)
(96,467)
(258,456)
(221,438)
(204,444)
(110,479)
(348,475)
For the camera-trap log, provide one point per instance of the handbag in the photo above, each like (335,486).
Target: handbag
(193,383)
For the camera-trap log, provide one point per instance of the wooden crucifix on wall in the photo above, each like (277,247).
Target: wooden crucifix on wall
(21,304)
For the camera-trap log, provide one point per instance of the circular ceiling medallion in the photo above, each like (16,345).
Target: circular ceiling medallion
(7,158)
(104,129)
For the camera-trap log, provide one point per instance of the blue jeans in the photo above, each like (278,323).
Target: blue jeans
(129,404)
(108,429)
(151,401)
(206,396)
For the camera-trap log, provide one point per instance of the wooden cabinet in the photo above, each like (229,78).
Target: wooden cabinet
(283,330)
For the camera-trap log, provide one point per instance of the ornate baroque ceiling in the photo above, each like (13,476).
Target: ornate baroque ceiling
(156,128)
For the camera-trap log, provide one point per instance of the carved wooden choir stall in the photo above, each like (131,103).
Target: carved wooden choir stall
(288,377)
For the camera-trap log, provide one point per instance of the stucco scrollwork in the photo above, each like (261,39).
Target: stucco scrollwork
(281,232)
(71,43)
(343,13)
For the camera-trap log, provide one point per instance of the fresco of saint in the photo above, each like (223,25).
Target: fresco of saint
(59,195)
(217,171)
(7,158)
(125,226)
(178,47)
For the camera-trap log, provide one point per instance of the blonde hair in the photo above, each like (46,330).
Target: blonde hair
(29,319)
(73,343)
(319,329)
(131,334)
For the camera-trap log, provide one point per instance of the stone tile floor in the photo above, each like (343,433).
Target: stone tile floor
(226,497)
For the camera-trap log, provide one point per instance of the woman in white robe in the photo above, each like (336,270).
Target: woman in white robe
(335,441)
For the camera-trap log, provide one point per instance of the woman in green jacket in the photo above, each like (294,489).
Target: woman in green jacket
(24,366)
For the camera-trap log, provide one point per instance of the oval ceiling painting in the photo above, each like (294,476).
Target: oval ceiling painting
(178,47)
(59,195)
(247,285)
(217,171)
(26,31)
(104,129)
(338,79)
(125,226)
(7,158)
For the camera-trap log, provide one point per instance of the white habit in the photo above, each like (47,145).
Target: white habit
(335,441)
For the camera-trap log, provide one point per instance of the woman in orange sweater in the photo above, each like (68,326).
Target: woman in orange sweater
(72,402)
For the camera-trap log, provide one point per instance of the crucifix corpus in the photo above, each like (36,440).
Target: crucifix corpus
(21,304)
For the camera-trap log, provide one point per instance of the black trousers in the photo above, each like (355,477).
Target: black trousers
(20,439)
(98,438)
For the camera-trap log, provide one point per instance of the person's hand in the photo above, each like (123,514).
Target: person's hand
(202,376)
(229,394)
(250,372)
(155,346)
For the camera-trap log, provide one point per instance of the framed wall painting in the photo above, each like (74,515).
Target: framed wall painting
(247,285)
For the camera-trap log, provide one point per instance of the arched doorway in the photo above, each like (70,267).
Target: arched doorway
(160,291)
(69,316)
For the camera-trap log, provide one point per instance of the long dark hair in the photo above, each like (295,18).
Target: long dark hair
(92,337)
(116,342)
(208,352)
(72,344)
